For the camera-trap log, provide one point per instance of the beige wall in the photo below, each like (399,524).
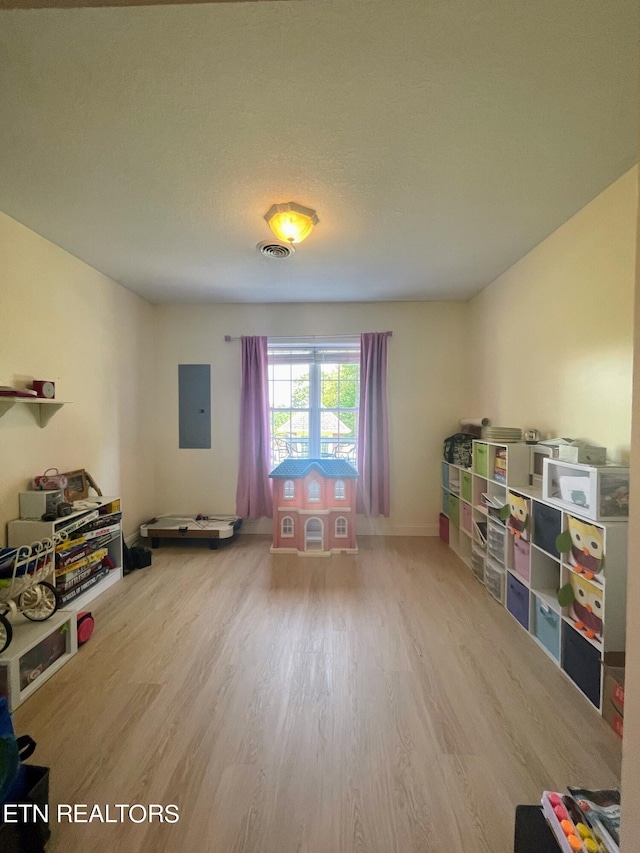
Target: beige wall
(552,338)
(631,743)
(62,320)
(427,371)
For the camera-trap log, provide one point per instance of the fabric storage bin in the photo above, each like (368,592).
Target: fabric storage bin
(494,580)
(495,542)
(480,458)
(454,510)
(445,475)
(546,627)
(477,564)
(547,526)
(466,486)
(581,662)
(466,522)
(444,528)
(518,600)
(521,558)
(445,502)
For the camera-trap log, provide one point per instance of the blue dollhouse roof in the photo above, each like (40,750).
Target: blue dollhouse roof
(292,469)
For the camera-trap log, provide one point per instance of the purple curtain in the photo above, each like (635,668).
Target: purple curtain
(253,496)
(373,428)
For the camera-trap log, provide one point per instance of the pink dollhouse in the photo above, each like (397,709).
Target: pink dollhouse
(314,503)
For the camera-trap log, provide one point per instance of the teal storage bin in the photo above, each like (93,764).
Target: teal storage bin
(445,475)
(546,627)
(445,502)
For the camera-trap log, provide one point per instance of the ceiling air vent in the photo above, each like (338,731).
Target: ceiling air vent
(275,249)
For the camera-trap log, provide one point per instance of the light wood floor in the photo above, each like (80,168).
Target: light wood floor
(382,702)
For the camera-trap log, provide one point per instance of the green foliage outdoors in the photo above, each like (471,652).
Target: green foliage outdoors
(334,394)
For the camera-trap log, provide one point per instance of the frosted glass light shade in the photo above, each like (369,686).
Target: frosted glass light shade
(291,222)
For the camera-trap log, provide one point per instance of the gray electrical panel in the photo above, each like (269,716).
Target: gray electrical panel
(194,405)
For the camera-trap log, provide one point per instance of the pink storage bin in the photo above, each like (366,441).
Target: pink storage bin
(521,562)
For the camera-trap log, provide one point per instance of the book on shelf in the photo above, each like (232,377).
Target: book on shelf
(67,596)
(90,560)
(101,521)
(67,558)
(72,579)
(481,529)
(76,523)
(492,502)
(98,532)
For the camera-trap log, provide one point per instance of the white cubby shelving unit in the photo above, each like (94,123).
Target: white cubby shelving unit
(25,531)
(37,652)
(38,649)
(525,572)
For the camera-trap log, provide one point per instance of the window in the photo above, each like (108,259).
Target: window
(314,491)
(314,389)
(341,527)
(287,527)
(339,491)
(289,490)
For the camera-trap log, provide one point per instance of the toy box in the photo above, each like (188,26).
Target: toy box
(597,492)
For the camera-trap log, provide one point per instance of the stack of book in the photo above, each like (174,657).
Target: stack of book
(500,466)
(83,559)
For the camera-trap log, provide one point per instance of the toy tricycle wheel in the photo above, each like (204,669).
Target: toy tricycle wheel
(39,602)
(6,632)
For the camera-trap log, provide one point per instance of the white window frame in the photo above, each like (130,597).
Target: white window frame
(344,535)
(314,491)
(285,533)
(340,490)
(315,352)
(288,490)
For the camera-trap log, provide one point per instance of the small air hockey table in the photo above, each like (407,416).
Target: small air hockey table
(211,527)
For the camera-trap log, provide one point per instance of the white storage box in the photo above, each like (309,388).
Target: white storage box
(597,492)
(584,455)
(36,504)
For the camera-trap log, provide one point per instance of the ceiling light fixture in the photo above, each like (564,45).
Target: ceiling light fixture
(291,222)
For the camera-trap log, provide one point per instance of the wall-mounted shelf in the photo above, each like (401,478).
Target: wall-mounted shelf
(44,410)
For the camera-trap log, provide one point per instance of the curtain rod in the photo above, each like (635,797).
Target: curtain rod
(229,338)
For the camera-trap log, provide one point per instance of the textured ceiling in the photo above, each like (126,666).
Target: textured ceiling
(438,141)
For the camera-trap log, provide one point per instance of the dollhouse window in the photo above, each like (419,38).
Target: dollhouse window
(287,527)
(314,490)
(289,491)
(341,527)
(339,491)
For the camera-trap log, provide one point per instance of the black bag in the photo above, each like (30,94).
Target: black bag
(458,449)
(134,558)
(141,557)
(32,836)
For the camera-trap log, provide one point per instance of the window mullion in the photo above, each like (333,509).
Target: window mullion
(314,410)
